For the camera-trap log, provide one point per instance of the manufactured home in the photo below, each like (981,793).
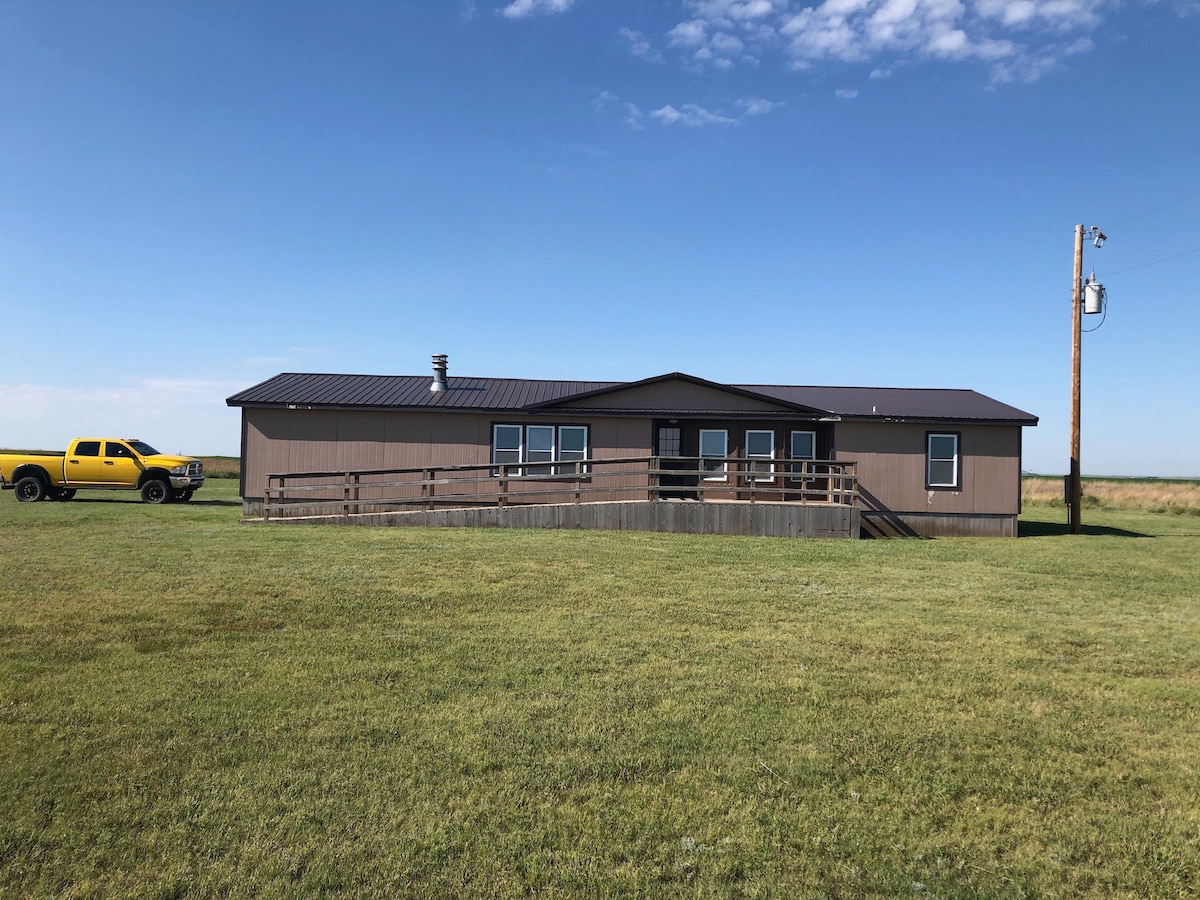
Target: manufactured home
(673,452)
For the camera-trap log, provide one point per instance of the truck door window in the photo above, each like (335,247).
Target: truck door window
(113,449)
(87,448)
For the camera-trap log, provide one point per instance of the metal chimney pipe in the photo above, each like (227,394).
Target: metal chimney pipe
(439,373)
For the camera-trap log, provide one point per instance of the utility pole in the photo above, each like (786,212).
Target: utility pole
(1074,485)
(1094,305)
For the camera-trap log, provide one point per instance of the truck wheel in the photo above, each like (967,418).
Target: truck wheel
(184,496)
(156,491)
(62,494)
(30,489)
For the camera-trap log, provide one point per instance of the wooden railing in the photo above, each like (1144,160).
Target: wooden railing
(644,478)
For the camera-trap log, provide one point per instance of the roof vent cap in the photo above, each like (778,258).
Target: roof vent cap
(439,373)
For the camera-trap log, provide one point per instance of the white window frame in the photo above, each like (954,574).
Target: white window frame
(724,466)
(752,470)
(496,449)
(543,465)
(562,454)
(812,443)
(955,459)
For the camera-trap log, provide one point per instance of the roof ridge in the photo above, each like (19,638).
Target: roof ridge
(855,387)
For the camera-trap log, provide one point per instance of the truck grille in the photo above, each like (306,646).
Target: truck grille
(196,468)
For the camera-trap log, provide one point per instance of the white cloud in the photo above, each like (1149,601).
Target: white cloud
(713,40)
(876,74)
(688,34)
(814,36)
(1060,15)
(691,115)
(725,44)
(688,114)
(520,9)
(604,99)
(757,106)
(1021,39)
(639,45)
(845,93)
(1184,7)
(740,12)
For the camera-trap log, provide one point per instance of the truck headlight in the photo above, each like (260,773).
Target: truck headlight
(180,470)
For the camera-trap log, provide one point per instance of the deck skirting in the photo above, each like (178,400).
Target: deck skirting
(709,517)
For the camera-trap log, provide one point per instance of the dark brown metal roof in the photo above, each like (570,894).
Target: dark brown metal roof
(308,390)
(898,403)
(299,389)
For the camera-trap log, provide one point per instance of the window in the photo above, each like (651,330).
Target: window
(539,447)
(119,451)
(941,461)
(669,440)
(572,446)
(760,445)
(714,446)
(506,444)
(87,448)
(804,446)
(515,444)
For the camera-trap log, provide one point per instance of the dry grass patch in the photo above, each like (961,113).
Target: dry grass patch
(1179,496)
(221,466)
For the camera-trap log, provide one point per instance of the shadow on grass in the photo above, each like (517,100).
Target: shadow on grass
(1054,529)
(132,500)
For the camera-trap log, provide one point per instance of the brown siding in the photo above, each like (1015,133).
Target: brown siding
(279,441)
(891,467)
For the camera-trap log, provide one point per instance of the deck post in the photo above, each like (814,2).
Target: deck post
(267,497)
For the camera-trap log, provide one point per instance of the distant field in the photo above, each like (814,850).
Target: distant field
(1173,495)
(194,707)
(221,466)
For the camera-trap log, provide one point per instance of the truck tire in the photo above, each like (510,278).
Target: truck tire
(184,496)
(61,494)
(156,491)
(30,489)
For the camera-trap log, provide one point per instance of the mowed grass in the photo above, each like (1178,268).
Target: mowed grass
(190,706)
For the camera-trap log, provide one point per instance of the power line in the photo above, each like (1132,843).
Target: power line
(1159,208)
(1155,263)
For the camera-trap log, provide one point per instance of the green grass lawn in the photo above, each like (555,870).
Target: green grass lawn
(190,706)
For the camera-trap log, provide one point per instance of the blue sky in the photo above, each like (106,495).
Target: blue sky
(195,196)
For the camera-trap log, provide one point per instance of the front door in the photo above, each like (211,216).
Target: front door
(668,447)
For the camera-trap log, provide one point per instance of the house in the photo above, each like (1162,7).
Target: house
(904,461)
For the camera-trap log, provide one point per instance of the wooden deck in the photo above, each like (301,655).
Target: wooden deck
(785,498)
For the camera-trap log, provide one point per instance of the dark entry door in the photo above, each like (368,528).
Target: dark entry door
(668,447)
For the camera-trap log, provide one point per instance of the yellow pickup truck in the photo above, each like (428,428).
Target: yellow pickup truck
(101,464)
